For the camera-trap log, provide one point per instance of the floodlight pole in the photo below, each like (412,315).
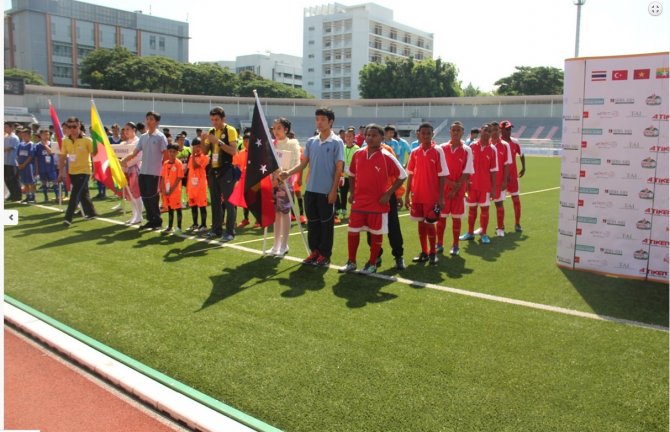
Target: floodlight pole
(579,4)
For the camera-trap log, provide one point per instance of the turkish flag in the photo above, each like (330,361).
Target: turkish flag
(641,74)
(619,75)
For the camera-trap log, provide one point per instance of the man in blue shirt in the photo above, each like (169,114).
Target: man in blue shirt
(11,166)
(324,153)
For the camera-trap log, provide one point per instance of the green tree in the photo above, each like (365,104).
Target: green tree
(208,79)
(156,74)
(107,69)
(527,80)
(407,78)
(30,77)
(471,91)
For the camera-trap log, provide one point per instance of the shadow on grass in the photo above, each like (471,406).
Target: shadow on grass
(156,238)
(235,280)
(622,298)
(302,279)
(493,250)
(193,250)
(77,234)
(360,290)
(454,266)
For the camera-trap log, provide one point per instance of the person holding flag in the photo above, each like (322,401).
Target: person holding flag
(374,176)
(324,153)
(288,151)
(77,149)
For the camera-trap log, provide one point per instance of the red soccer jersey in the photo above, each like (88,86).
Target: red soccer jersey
(504,158)
(485,160)
(459,161)
(516,151)
(426,166)
(373,175)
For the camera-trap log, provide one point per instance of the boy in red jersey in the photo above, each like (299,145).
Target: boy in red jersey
(459,161)
(514,175)
(504,161)
(371,178)
(427,173)
(482,183)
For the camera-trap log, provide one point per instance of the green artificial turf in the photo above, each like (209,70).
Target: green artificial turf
(308,349)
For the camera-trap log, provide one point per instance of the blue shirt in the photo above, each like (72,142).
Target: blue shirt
(11,142)
(152,147)
(323,156)
(403,150)
(24,151)
(46,163)
(414,144)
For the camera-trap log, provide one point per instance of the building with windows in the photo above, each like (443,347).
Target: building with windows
(51,37)
(339,40)
(282,68)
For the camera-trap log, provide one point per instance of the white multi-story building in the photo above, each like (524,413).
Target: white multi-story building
(282,68)
(339,40)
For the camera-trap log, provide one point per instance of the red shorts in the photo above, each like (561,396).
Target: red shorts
(374,223)
(419,212)
(500,194)
(454,207)
(478,198)
(513,186)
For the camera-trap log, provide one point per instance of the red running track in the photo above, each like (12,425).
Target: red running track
(43,393)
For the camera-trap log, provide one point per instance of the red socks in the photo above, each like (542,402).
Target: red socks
(441,226)
(430,233)
(472,216)
(517,209)
(500,216)
(353,239)
(375,247)
(484,219)
(422,237)
(455,230)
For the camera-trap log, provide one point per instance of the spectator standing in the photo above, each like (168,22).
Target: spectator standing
(11,165)
(25,158)
(196,186)
(45,165)
(514,175)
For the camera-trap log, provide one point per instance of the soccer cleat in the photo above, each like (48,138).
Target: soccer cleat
(211,235)
(282,252)
(368,269)
(439,249)
(303,220)
(322,261)
(243,223)
(486,239)
(311,259)
(422,257)
(432,259)
(400,263)
(467,236)
(454,251)
(378,262)
(517,228)
(500,232)
(478,231)
(348,267)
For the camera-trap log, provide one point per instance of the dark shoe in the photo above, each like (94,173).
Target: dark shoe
(439,249)
(146,226)
(349,267)
(400,263)
(454,251)
(422,257)
(432,259)
(67,223)
(378,263)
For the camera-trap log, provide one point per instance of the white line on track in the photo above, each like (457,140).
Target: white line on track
(483,296)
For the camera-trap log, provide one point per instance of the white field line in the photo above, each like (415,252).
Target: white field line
(483,296)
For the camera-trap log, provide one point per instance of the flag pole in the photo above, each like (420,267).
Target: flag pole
(265,236)
(274,154)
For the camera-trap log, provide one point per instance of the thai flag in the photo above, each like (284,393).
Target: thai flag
(599,75)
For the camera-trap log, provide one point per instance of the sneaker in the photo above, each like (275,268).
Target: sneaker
(177,230)
(227,237)
(439,249)
(282,252)
(303,220)
(486,239)
(478,231)
(322,261)
(212,235)
(167,230)
(311,259)
(400,263)
(517,228)
(349,267)
(67,223)
(244,223)
(454,251)
(272,252)
(134,221)
(89,217)
(467,236)
(192,228)
(146,226)
(422,257)
(432,259)
(500,232)
(369,269)
(201,228)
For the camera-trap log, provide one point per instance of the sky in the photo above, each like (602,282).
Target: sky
(485,39)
